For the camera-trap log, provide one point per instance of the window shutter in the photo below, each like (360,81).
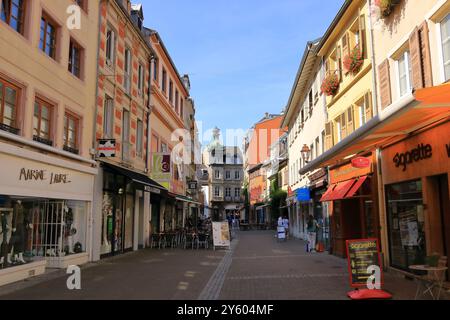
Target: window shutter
(328,135)
(368,106)
(350,126)
(385,84)
(362,35)
(345,45)
(415,51)
(427,73)
(343,118)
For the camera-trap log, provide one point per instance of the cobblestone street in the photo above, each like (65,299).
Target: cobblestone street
(257,268)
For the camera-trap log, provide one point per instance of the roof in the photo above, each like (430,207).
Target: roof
(304,72)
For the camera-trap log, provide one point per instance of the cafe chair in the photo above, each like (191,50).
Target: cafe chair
(433,280)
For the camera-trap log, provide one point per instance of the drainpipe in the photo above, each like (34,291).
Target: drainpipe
(374,73)
(149,111)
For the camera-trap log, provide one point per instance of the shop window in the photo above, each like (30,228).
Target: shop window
(48,40)
(13,13)
(34,228)
(71,132)
(445,36)
(42,122)
(76,53)
(9,103)
(406,219)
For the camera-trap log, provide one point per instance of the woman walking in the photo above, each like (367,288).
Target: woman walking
(312,227)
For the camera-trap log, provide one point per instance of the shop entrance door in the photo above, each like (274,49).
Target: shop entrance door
(444,204)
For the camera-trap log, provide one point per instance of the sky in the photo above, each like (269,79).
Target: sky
(242,56)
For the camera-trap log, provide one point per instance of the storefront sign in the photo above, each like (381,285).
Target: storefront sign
(221,234)
(303,194)
(361,162)
(347,172)
(24,177)
(161,169)
(106,148)
(422,152)
(362,254)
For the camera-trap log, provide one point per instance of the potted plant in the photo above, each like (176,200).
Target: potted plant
(354,60)
(330,85)
(386,6)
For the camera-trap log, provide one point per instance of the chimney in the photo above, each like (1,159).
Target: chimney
(267,115)
(186,82)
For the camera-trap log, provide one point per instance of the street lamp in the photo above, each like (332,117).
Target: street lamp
(306,153)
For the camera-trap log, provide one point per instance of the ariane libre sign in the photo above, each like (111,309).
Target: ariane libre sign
(43,175)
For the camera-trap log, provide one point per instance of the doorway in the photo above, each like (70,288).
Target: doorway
(441,182)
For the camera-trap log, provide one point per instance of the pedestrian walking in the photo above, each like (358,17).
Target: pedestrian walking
(286,226)
(312,227)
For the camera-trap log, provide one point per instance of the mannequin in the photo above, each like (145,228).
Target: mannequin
(18,233)
(4,217)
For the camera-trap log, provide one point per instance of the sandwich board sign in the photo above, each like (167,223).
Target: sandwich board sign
(221,235)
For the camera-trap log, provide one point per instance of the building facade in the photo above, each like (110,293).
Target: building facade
(47,98)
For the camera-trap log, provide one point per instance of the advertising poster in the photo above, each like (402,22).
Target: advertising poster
(409,229)
(361,255)
(221,234)
(161,169)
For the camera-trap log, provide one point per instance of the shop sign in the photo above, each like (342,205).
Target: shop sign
(44,176)
(361,162)
(106,148)
(161,169)
(363,255)
(303,194)
(422,152)
(347,172)
(152,190)
(221,234)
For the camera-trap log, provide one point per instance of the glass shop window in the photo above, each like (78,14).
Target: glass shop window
(406,220)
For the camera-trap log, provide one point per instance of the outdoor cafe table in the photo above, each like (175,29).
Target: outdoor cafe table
(436,280)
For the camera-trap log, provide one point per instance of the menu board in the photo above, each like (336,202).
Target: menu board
(361,255)
(221,234)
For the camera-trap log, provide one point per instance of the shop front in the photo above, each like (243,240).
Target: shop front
(416,185)
(318,186)
(305,205)
(45,209)
(126,209)
(352,198)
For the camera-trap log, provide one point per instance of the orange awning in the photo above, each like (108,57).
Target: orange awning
(338,191)
(356,187)
(412,113)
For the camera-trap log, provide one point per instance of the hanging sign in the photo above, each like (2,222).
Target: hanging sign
(361,163)
(106,148)
(362,255)
(161,169)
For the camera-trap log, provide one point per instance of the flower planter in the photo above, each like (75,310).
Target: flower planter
(386,6)
(354,61)
(330,85)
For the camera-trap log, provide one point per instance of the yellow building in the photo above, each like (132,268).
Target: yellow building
(47,96)
(348,86)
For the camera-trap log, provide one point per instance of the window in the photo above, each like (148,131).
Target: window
(171,91)
(70,133)
(164,81)
(155,69)
(139,138)
(141,80)
(108,118)
(237,192)
(339,130)
(42,122)
(323,141)
(163,147)
(404,73)
(47,41)
(127,75)
(445,35)
(317,142)
(227,192)
(217,174)
(365,109)
(110,47)
(216,191)
(75,55)
(227,175)
(176,101)
(126,135)
(13,13)
(311,101)
(9,101)
(237,175)
(181,108)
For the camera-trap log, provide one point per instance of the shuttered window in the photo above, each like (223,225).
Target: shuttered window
(404,73)
(362,35)
(350,123)
(368,109)
(445,35)
(328,135)
(420,57)
(385,84)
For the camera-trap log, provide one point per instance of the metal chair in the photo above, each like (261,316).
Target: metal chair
(203,240)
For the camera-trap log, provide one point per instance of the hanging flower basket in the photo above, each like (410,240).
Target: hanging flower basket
(354,60)
(330,85)
(386,6)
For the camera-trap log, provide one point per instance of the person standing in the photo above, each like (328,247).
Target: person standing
(312,227)
(286,226)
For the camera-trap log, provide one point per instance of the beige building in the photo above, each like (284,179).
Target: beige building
(47,103)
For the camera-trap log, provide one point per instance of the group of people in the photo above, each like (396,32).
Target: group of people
(312,228)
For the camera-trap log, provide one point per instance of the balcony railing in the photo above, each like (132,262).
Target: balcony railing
(228,199)
(9,129)
(43,141)
(217,198)
(71,150)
